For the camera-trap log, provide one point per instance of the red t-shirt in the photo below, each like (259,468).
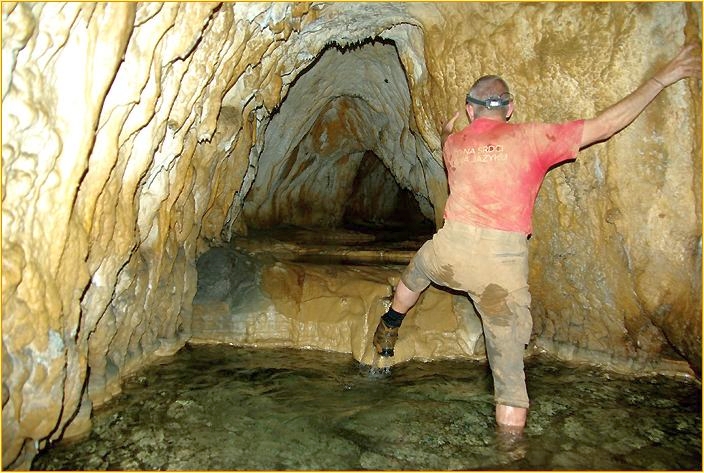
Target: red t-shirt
(495,169)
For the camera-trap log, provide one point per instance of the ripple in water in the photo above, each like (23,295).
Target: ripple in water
(225,408)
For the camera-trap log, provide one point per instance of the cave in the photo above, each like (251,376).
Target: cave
(335,169)
(168,167)
(338,160)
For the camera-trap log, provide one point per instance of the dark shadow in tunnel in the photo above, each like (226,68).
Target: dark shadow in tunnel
(378,205)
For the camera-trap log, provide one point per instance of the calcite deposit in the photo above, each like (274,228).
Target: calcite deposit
(136,136)
(243,299)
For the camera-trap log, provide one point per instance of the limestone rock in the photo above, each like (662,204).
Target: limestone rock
(246,300)
(136,136)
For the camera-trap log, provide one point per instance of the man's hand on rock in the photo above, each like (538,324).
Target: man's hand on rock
(687,63)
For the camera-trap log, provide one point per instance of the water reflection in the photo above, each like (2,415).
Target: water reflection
(226,408)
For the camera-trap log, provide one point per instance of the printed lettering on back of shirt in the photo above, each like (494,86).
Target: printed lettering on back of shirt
(483,154)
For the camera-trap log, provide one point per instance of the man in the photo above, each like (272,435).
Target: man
(494,172)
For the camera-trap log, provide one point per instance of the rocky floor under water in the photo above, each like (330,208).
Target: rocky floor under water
(229,408)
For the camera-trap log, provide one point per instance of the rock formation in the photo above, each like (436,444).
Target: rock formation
(136,136)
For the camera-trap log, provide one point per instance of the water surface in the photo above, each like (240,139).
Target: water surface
(229,408)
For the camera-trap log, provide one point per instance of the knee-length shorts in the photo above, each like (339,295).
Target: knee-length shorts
(492,267)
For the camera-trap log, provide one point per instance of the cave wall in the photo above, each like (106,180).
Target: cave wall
(617,251)
(376,198)
(246,300)
(616,248)
(356,100)
(137,135)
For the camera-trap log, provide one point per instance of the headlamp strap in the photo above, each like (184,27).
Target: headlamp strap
(491,102)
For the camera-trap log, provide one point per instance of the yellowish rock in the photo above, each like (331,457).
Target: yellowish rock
(138,135)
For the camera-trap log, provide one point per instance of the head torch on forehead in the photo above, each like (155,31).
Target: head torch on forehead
(495,101)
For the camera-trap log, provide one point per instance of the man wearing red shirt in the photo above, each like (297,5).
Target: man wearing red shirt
(494,172)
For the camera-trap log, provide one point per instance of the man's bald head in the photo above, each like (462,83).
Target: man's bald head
(487,87)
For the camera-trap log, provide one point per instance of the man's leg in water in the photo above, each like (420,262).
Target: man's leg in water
(508,418)
(507,325)
(404,299)
(502,298)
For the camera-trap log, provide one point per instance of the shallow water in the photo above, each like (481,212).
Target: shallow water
(228,408)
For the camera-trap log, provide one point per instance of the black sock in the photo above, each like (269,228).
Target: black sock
(392,318)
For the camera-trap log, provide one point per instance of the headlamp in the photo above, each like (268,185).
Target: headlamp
(492,102)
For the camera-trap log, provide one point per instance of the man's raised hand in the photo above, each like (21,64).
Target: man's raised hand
(687,63)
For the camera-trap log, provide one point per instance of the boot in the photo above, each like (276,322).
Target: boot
(385,338)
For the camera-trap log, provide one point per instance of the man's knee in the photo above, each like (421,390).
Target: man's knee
(414,277)
(506,315)
(493,301)
(404,298)
(519,304)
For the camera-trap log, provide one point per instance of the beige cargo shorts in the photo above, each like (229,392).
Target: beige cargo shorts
(492,267)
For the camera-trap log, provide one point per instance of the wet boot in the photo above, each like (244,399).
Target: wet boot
(387,332)
(385,338)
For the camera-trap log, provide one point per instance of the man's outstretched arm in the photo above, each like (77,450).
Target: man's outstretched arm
(688,63)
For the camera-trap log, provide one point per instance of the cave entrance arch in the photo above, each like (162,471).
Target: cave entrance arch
(340,150)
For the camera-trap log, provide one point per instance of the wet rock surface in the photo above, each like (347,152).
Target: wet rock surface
(137,135)
(325,289)
(229,408)
(306,287)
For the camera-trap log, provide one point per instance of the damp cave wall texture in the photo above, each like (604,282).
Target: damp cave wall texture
(138,135)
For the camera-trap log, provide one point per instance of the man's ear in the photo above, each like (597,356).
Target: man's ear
(509,112)
(470,112)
